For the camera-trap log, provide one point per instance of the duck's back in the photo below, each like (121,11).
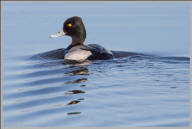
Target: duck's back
(99,52)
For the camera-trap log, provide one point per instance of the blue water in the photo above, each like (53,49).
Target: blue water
(147,90)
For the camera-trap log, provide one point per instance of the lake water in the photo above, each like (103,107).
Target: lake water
(146,90)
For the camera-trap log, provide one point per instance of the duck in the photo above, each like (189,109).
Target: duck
(77,50)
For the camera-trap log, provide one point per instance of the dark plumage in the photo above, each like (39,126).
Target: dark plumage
(75,28)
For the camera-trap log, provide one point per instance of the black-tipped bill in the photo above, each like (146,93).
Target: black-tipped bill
(58,34)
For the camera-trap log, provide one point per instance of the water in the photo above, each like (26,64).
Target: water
(146,90)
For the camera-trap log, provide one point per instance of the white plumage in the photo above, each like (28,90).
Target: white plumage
(78,54)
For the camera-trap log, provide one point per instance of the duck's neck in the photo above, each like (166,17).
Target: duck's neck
(77,40)
(73,45)
(78,37)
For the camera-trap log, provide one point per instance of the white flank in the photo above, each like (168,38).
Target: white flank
(77,54)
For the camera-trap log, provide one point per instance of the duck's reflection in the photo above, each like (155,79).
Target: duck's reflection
(76,63)
(75,71)
(75,101)
(75,92)
(82,85)
(76,81)
(73,113)
(80,71)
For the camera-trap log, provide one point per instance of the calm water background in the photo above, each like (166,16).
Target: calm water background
(130,91)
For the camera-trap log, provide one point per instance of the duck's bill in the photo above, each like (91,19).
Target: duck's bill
(58,34)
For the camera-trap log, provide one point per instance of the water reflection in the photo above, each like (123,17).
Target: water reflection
(49,86)
(76,81)
(76,70)
(82,85)
(73,113)
(75,92)
(80,71)
(75,101)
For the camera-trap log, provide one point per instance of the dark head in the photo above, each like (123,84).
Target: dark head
(75,28)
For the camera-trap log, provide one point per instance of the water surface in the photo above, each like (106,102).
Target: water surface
(146,90)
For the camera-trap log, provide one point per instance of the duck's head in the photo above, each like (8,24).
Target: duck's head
(73,27)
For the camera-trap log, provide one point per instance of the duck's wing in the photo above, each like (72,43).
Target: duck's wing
(54,54)
(98,52)
(102,53)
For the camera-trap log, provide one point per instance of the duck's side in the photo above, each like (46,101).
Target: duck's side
(79,53)
(90,52)
(59,54)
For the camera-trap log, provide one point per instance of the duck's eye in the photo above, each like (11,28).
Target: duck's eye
(69,25)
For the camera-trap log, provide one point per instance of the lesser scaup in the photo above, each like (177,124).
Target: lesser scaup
(77,51)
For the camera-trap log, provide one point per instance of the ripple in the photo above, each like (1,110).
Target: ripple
(51,91)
